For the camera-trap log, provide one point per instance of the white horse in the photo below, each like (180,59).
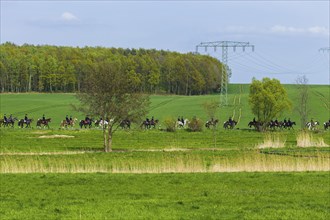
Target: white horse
(312,126)
(180,124)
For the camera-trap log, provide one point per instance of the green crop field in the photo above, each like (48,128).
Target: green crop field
(153,174)
(57,106)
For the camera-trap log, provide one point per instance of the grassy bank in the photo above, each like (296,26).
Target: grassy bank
(165,196)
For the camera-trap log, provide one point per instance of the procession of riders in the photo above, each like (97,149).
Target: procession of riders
(151,123)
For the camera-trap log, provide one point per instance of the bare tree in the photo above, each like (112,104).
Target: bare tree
(302,104)
(110,91)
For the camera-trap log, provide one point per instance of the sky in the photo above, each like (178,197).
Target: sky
(286,35)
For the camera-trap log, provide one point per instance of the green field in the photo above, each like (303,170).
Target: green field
(166,196)
(57,106)
(153,174)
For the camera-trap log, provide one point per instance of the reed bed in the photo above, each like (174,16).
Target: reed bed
(306,139)
(272,141)
(169,162)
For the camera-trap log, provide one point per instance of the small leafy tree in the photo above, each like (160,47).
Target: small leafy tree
(109,92)
(268,100)
(195,124)
(170,124)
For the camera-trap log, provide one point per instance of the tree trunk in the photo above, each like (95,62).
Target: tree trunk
(107,136)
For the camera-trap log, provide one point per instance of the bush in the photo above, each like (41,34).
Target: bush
(170,124)
(195,124)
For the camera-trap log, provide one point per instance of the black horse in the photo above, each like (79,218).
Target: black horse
(43,123)
(125,124)
(86,123)
(27,122)
(229,124)
(9,122)
(289,125)
(256,124)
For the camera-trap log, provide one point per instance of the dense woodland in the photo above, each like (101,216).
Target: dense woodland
(30,68)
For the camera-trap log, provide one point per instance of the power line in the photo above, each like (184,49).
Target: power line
(226,71)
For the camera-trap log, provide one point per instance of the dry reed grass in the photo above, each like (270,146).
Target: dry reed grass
(272,141)
(251,162)
(306,139)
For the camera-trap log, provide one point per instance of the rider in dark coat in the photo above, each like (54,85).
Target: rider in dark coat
(26,118)
(5,119)
(43,118)
(230,121)
(67,119)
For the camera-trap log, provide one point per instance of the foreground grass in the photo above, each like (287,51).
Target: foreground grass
(165,196)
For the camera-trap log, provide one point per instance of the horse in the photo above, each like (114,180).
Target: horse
(149,124)
(312,125)
(85,123)
(255,124)
(229,125)
(43,123)
(125,124)
(27,122)
(212,122)
(10,121)
(289,124)
(180,124)
(326,125)
(70,123)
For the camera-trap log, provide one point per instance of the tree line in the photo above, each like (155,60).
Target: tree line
(45,68)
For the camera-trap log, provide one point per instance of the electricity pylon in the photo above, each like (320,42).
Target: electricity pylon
(226,72)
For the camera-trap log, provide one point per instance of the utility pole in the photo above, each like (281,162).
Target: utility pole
(226,72)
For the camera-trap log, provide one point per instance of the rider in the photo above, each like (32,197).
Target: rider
(182,120)
(230,121)
(152,120)
(5,119)
(254,119)
(43,118)
(67,119)
(10,117)
(87,118)
(25,118)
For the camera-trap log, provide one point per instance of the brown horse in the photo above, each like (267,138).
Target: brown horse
(212,122)
(71,123)
(43,123)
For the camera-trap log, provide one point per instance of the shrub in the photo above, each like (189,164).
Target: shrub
(170,124)
(195,124)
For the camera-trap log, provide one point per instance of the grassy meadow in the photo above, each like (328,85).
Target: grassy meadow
(57,106)
(166,196)
(153,174)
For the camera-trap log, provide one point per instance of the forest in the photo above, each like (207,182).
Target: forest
(46,68)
